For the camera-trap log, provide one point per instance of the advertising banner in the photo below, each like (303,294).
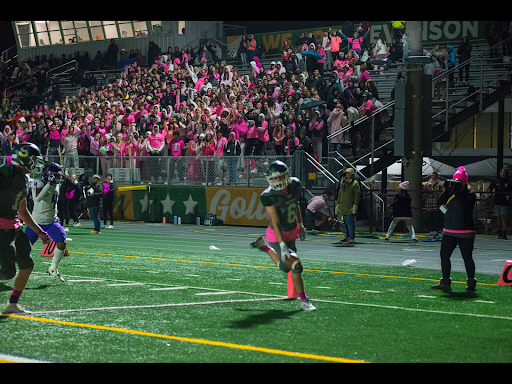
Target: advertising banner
(237,206)
(157,202)
(433,32)
(234,206)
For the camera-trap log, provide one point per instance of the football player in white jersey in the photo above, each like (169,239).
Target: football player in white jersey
(45,193)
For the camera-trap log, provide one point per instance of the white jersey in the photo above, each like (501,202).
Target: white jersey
(45,204)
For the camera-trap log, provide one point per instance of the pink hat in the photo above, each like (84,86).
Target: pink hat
(404,185)
(461,174)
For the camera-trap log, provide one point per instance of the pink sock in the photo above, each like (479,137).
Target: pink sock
(267,248)
(302,295)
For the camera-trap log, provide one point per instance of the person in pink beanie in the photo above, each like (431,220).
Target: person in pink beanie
(458,204)
(402,211)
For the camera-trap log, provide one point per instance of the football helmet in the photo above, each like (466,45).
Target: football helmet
(27,155)
(51,172)
(275,169)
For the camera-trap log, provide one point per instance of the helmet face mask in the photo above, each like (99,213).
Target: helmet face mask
(51,172)
(278,175)
(26,155)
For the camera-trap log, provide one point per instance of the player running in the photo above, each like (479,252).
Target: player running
(281,200)
(15,246)
(45,192)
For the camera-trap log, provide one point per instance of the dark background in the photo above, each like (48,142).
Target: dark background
(6,35)
(252,26)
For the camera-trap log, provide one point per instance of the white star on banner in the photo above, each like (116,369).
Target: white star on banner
(144,203)
(190,204)
(167,203)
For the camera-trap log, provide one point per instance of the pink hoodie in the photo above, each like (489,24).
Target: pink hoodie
(219,146)
(252,132)
(336,121)
(263,132)
(239,128)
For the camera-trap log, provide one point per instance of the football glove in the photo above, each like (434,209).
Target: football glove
(302,233)
(285,252)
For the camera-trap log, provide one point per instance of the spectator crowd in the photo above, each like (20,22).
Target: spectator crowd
(186,103)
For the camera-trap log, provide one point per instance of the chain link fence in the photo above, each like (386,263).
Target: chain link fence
(428,218)
(233,171)
(374,213)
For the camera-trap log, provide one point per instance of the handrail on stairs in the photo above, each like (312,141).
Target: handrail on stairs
(361,119)
(443,77)
(321,168)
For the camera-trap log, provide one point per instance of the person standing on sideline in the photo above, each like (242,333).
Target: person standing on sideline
(502,188)
(45,192)
(94,194)
(431,193)
(281,201)
(14,243)
(458,205)
(109,192)
(346,204)
(402,211)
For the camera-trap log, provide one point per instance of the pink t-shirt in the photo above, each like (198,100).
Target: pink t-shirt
(176,147)
(317,203)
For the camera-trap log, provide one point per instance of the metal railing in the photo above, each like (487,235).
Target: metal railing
(445,76)
(62,65)
(33,78)
(361,120)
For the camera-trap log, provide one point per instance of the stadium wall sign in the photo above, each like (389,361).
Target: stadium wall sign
(234,206)
(237,206)
(433,32)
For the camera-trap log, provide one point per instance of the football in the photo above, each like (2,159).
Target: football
(293,262)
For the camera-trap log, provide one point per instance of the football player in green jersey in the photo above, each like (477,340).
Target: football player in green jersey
(15,246)
(281,201)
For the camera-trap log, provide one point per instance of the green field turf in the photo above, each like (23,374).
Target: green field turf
(148,297)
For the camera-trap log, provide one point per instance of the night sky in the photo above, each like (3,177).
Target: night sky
(6,35)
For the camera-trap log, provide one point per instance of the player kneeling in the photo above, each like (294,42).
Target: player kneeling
(45,192)
(281,201)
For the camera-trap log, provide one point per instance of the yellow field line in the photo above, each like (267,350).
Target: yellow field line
(191,340)
(263,266)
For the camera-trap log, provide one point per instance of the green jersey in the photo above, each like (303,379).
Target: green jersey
(13,189)
(285,203)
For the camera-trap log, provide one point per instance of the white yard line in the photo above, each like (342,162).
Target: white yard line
(156,306)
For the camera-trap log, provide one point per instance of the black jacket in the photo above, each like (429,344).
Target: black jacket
(464,51)
(232,148)
(502,188)
(94,200)
(109,196)
(460,208)
(402,205)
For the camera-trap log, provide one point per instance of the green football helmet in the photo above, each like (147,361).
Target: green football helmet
(27,155)
(275,169)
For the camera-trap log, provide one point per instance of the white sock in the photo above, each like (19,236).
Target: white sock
(411,231)
(57,256)
(390,229)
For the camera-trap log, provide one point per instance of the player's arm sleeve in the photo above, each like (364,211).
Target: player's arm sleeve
(41,194)
(266,201)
